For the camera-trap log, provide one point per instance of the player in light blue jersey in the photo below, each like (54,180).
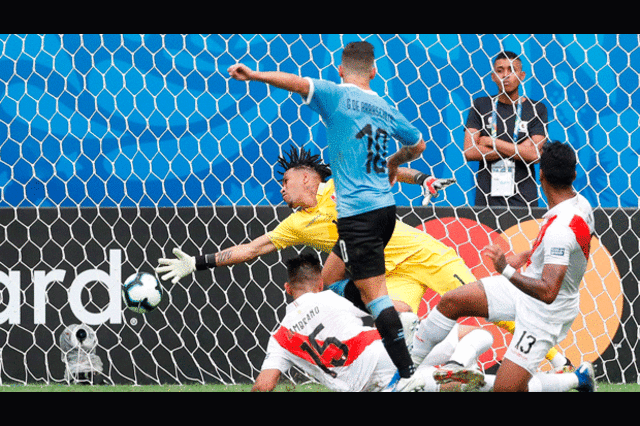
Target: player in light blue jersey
(360,125)
(360,128)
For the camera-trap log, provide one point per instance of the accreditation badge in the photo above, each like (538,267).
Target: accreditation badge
(503,178)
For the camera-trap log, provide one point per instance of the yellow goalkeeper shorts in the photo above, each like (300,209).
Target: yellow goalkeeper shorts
(409,281)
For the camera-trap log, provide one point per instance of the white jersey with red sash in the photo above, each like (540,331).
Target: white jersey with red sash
(323,335)
(564,239)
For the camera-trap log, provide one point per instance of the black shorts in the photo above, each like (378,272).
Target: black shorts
(362,239)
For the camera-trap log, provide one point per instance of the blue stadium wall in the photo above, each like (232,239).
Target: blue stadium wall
(128,120)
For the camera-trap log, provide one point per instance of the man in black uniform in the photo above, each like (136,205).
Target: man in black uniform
(505,133)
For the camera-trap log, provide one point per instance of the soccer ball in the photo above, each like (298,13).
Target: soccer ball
(141,292)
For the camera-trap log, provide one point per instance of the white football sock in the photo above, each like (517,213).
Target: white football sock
(558,361)
(549,382)
(433,330)
(471,346)
(441,353)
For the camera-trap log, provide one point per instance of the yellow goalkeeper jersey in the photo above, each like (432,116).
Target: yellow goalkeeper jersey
(313,227)
(413,259)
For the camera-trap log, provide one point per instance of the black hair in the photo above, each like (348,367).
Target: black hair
(558,163)
(506,54)
(303,268)
(304,159)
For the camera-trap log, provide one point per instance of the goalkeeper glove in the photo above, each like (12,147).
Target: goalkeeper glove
(431,186)
(175,269)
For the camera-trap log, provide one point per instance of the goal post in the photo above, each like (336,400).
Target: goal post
(114,149)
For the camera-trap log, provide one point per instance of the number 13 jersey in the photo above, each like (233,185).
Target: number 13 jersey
(359,125)
(323,335)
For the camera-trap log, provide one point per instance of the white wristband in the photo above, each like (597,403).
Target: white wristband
(508,271)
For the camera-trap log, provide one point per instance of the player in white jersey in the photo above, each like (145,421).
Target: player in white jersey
(543,299)
(323,335)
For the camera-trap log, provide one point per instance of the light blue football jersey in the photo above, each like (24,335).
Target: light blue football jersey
(360,125)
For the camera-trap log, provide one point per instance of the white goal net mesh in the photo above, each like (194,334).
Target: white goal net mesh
(116,148)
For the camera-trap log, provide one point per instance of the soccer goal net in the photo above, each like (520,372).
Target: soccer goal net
(114,149)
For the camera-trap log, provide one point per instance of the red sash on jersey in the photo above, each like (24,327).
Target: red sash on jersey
(328,353)
(580,229)
(582,233)
(538,240)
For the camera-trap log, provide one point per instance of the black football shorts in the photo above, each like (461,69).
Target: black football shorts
(362,239)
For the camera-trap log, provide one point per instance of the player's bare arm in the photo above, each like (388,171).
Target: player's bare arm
(431,185)
(519,260)
(184,264)
(244,252)
(282,80)
(266,381)
(403,155)
(406,175)
(545,289)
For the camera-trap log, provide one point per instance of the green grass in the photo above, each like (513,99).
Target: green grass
(602,387)
(616,387)
(57,387)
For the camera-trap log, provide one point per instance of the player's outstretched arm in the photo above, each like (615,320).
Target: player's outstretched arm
(282,80)
(184,264)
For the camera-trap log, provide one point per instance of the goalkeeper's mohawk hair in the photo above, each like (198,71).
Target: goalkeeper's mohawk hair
(304,159)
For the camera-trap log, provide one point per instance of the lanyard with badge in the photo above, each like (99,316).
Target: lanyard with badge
(503,172)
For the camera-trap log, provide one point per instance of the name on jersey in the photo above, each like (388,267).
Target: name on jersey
(367,108)
(303,321)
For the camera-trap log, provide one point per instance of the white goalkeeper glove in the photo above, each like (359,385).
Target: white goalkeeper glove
(178,268)
(431,187)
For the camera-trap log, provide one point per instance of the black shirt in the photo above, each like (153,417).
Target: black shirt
(533,122)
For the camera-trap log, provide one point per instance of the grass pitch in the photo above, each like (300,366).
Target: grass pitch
(58,387)
(283,387)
